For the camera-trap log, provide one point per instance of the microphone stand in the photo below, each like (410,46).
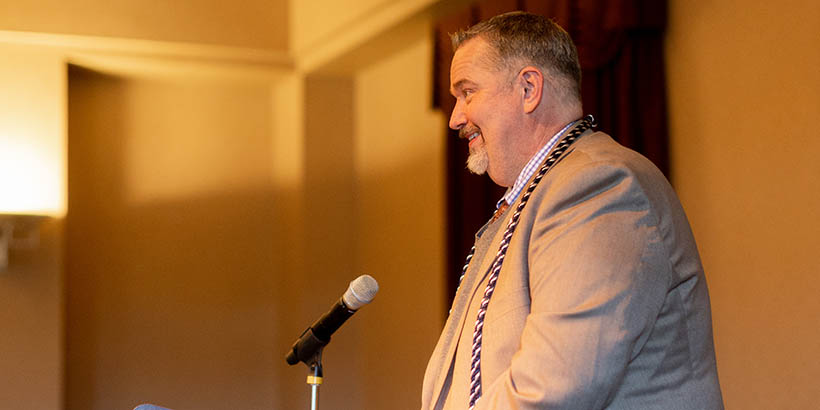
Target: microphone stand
(308,348)
(314,378)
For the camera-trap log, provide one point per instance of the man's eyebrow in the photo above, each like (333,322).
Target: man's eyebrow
(458,85)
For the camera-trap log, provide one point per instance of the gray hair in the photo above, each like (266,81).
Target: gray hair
(520,38)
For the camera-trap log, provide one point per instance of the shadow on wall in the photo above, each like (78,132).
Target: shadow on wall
(176,300)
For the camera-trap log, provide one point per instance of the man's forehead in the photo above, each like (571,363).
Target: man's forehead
(472,52)
(468,60)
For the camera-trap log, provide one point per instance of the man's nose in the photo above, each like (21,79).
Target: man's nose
(457,118)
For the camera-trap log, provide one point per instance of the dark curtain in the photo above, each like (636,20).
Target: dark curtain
(620,46)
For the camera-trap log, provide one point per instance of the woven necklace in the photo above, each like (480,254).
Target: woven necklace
(475,368)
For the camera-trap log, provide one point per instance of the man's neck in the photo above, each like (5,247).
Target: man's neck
(552,119)
(530,167)
(541,127)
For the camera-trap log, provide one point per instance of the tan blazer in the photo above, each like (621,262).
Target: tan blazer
(601,302)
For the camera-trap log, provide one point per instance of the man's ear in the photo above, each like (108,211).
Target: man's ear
(531,82)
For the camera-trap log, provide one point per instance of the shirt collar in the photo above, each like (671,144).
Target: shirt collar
(529,170)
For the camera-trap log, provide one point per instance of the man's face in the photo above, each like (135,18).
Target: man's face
(486,112)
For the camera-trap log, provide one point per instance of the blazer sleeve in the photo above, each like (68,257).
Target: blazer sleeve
(598,276)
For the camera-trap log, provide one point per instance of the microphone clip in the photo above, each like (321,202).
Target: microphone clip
(307,349)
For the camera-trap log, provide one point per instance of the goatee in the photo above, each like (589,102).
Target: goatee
(478,161)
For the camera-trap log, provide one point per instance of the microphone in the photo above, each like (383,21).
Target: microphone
(361,291)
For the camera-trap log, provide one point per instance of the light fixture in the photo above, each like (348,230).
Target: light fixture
(18,232)
(6,233)
(33,138)
(32,183)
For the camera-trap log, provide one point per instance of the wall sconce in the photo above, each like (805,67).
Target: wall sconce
(32,183)
(6,232)
(18,232)
(33,123)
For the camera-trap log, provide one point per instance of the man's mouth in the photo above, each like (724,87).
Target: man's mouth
(470,136)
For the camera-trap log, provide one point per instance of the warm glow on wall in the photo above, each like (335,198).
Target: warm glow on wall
(32,132)
(31,177)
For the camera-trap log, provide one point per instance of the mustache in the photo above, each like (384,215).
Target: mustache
(467,131)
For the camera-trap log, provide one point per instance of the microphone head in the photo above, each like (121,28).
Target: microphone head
(361,291)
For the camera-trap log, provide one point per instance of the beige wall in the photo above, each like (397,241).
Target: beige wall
(374,204)
(324,31)
(31,319)
(744,93)
(261,24)
(317,22)
(399,165)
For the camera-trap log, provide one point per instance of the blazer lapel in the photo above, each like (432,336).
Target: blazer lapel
(468,290)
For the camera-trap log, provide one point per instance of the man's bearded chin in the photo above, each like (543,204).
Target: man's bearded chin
(478,161)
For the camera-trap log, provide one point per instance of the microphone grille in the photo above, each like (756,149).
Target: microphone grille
(361,291)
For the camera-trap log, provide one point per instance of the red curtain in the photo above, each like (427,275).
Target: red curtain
(620,46)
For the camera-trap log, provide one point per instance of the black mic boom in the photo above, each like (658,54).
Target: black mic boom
(361,291)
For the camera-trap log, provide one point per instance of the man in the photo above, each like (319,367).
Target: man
(587,292)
